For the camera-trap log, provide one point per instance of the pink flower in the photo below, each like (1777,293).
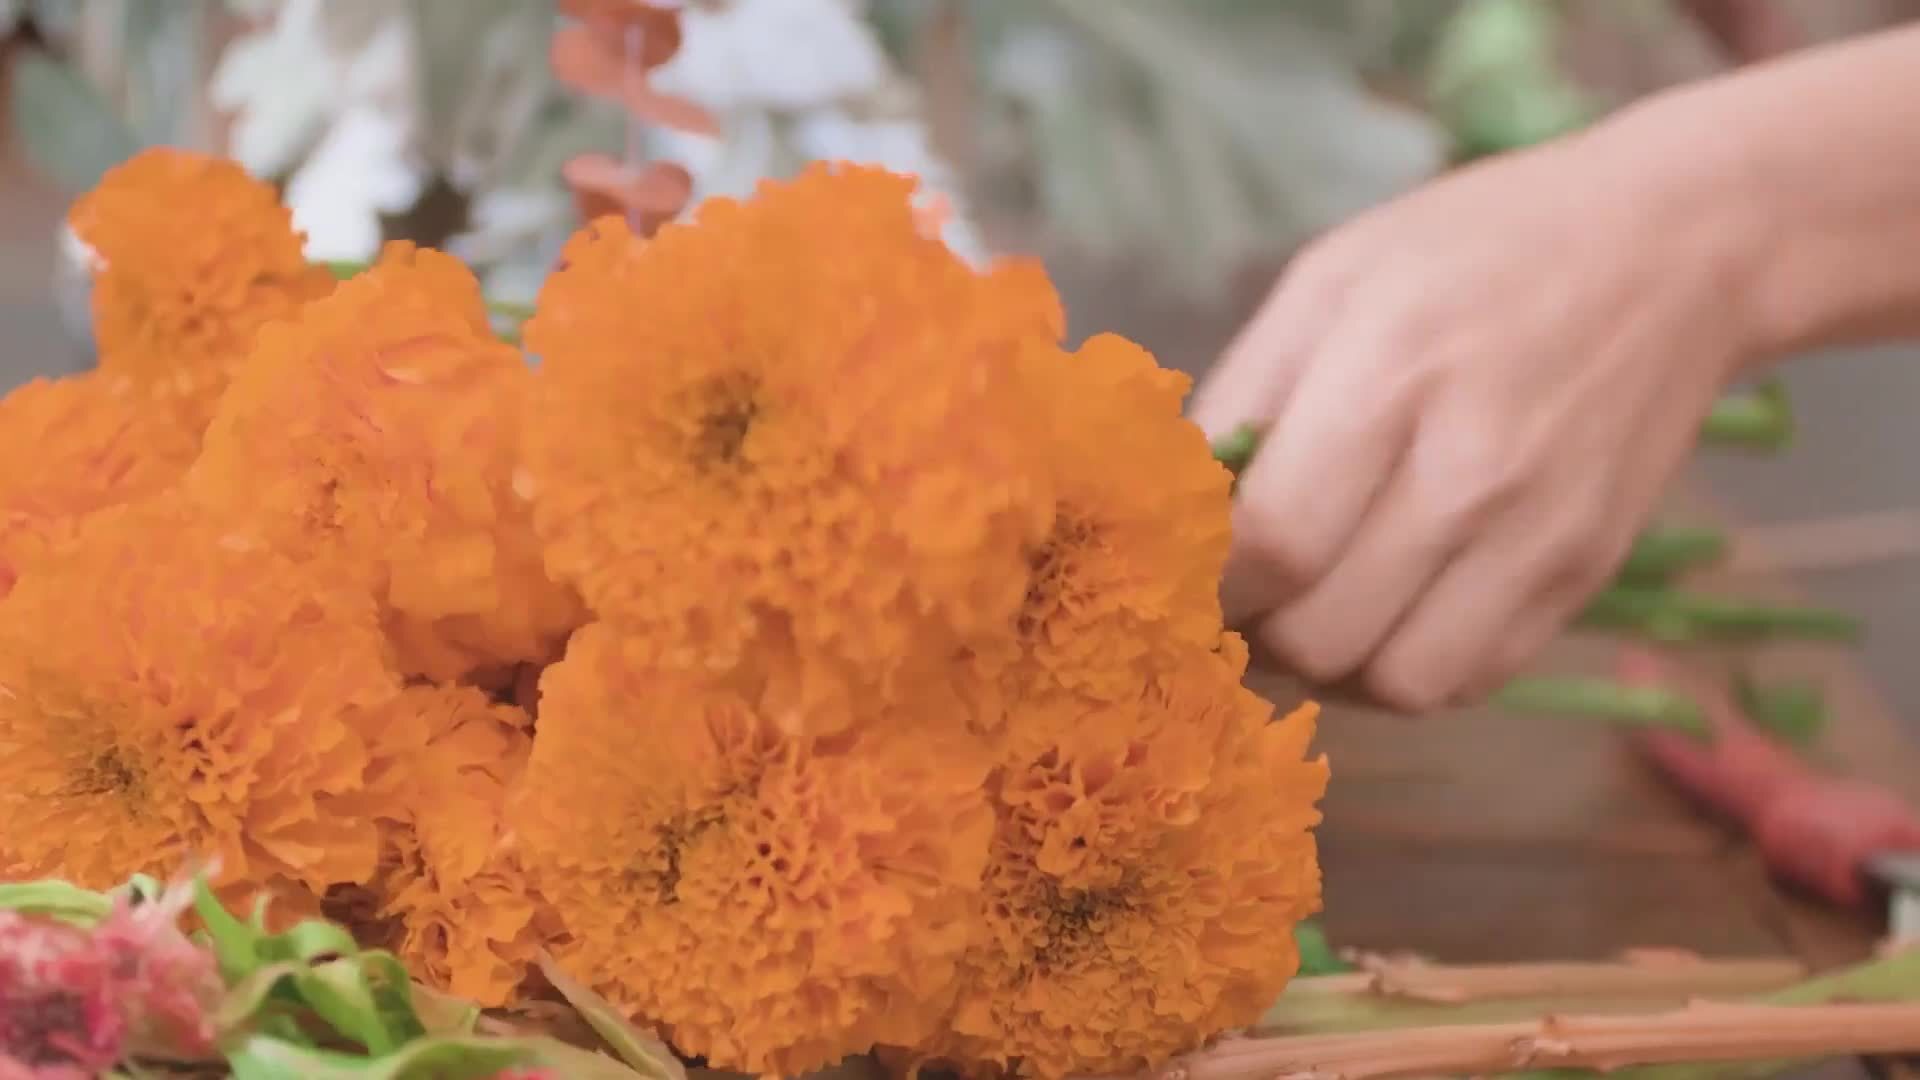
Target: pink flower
(58,1011)
(169,986)
(73,1001)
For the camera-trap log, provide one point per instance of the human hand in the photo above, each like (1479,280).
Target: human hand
(1472,398)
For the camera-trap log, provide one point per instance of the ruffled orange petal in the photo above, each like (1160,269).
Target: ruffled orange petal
(170,691)
(379,432)
(736,440)
(92,441)
(194,257)
(1151,861)
(811,896)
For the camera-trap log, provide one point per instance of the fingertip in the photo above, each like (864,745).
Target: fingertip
(1410,688)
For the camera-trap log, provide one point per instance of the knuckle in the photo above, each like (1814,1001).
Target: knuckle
(1315,657)
(1469,479)
(1585,540)
(1459,507)
(1280,545)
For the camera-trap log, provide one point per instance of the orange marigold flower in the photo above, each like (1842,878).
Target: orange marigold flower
(194,256)
(378,430)
(464,916)
(79,444)
(735,435)
(1151,861)
(774,902)
(1140,533)
(171,691)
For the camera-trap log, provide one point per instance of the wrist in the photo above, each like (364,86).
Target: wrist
(1791,189)
(1701,220)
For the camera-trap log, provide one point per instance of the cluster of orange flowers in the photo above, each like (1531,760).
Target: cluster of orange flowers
(808,652)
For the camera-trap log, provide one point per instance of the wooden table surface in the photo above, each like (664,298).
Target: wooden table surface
(1475,836)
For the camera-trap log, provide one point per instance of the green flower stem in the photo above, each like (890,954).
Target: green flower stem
(1317,954)
(1665,615)
(1235,449)
(1792,712)
(1602,699)
(1664,552)
(1760,419)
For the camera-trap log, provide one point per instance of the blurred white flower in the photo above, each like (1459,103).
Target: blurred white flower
(362,168)
(514,235)
(749,150)
(327,89)
(773,54)
(278,83)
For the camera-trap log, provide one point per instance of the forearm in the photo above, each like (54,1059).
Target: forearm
(1808,172)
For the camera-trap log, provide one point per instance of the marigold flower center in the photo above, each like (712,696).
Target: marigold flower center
(1052,567)
(110,773)
(1075,922)
(726,408)
(661,869)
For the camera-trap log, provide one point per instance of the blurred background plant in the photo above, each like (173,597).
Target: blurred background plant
(1204,136)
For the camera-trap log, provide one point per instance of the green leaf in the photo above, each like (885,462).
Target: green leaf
(646,1054)
(266,1058)
(1203,133)
(251,996)
(68,128)
(393,996)
(443,1014)
(236,944)
(485,82)
(309,941)
(1496,79)
(56,900)
(162,65)
(341,995)
(466,1057)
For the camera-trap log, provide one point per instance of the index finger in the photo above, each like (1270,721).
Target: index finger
(1250,381)
(1338,437)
